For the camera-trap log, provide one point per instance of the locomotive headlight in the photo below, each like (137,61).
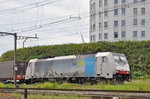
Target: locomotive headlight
(128,72)
(117,71)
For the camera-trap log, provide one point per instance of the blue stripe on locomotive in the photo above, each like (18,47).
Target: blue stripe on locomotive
(90,66)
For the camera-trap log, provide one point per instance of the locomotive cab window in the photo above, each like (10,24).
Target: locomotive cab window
(123,59)
(120,59)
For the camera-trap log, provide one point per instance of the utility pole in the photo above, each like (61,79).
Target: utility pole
(15,49)
(15,56)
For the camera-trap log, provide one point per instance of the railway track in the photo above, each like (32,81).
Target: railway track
(89,92)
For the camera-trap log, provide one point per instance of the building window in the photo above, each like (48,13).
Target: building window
(100,36)
(123,34)
(142,21)
(115,1)
(100,3)
(115,23)
(134,10)
(115,34)
(100,14)
(91,6)
(94,16)
(100,25)
(123,22)
(94,27)
(142,33)
(142,10)
(143,0)
(116,12)
(94,6)
(91,28)
(105,36)
(105,2)
(106,13)
(91,17)
(123,10)
(123,1)
(134,21)
(93,37)
(134,33)
(134,0)
(105,24)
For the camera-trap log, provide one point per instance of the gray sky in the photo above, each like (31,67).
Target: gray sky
(50,20)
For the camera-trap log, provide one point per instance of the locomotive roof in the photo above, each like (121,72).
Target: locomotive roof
(74,56)
(108,53)
(55,58)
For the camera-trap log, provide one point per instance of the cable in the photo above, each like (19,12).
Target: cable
(52,37)
(45,19)
(42,15)
(103,12)
(27,7)
(45,25)
(37,14)
(96,14)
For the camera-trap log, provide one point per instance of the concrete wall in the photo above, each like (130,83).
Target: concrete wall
(128,16)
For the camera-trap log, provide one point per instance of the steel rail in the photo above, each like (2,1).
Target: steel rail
(83,90)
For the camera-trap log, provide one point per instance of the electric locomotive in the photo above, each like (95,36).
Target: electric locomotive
(79,68)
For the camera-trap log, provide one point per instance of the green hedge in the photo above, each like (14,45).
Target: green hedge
(137,52)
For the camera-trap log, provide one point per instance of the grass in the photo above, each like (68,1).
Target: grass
(47,96)
(142,85)
(56,96)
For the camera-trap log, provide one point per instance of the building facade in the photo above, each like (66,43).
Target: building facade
(114,20)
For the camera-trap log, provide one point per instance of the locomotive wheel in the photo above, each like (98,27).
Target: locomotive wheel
(60,81)
(81,81)
(114,81)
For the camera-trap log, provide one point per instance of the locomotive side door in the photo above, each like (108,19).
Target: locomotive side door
(99,66)
(106,69)
(103,68)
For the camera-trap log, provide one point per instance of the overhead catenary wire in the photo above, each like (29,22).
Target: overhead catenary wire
(95,30)
(32,21)
(44,25)
(37,15)
(98,13)
(54,37)
(51,23)
(134,3)
(26,7)
(41,20)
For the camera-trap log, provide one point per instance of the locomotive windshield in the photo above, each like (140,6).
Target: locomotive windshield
(120,59)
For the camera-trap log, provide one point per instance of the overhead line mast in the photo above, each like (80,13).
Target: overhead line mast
(15,49)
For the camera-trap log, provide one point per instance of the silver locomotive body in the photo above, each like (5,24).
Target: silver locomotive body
(79,68)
